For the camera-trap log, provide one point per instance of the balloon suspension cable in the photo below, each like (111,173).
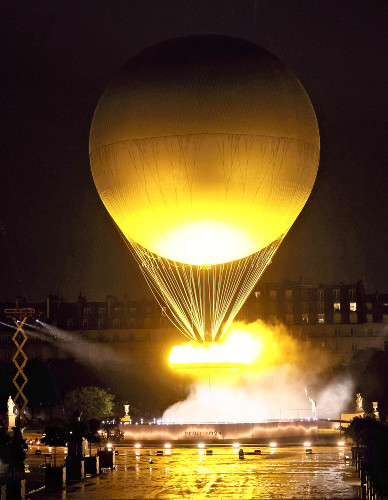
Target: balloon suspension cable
(201,301)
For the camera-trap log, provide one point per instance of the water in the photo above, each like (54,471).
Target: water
(283,473)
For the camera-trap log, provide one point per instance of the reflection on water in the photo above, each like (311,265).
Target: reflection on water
(287,473)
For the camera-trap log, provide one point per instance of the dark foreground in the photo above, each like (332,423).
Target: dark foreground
(281,473)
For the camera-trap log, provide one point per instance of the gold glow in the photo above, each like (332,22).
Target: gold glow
(206,243)
(238,348)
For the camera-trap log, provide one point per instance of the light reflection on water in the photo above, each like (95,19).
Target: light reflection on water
(287,473)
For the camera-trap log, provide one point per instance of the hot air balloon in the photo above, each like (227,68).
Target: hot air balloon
(204,150)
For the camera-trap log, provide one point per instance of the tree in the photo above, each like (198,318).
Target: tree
(92,402)
(112,431)
(55,436)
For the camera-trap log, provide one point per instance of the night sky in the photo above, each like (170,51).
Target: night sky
(57,57)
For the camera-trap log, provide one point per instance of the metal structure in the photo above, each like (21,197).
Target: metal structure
(19,316)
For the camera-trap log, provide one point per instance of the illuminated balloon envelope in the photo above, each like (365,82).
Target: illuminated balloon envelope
(204,151)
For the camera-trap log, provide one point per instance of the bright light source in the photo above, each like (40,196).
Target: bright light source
(307,443)
(236,445)
(238,347)
(272,444)
(137,445)
(201,446)
(341,443)
(167,445)
(109,445)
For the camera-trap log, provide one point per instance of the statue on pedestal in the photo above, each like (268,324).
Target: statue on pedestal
(11,414)
(360,409)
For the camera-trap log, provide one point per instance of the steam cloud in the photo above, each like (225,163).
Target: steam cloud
(272,388)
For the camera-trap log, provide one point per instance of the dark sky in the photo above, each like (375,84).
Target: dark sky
(57,57)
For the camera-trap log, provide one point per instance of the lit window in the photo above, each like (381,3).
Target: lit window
(321,318)
(257,295)
(289,319)
(305,318)
(323,344)
(337,306)
(353,306)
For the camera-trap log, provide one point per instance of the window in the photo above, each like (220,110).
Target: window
(370,332)
(352,293)
(272,294)
(272,308)
(87,311)
(335,346)
(100,323)
(337,306)
(353,306)
(273,319)
(70,323)
(352,332)
(337,331)
(132,310)
(147,322)
(305,318)
(304,293)
(117,310)
(321,307)
(354,346)
(323,344)
(257,295)
(101,311)
(289,319)
(369,306)
(336,294)
(116,323)
(132,322)
(321,318)
(288,294)
(321,294)
(289,307)
(85,324)
(305,307)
